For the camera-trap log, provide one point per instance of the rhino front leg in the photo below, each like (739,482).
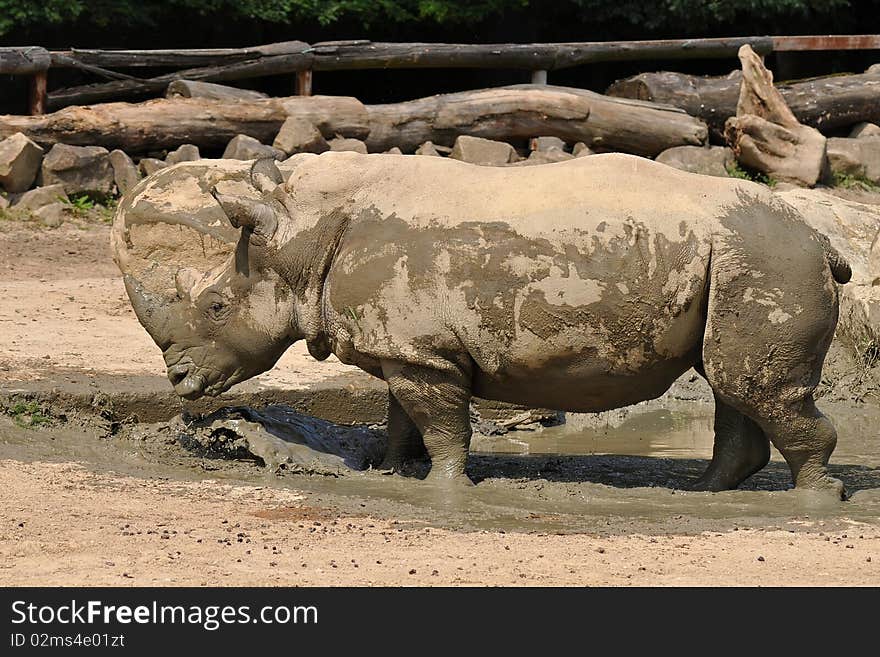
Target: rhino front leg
(437,401)
(404,439)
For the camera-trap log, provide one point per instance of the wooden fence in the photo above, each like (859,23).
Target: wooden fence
(302,59)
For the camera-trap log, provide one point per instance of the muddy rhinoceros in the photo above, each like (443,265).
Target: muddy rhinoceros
(582,286)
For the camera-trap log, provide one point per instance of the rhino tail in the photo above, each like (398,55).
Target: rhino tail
(840,268)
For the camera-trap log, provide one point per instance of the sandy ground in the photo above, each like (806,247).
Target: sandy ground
(64,522)
(64,525)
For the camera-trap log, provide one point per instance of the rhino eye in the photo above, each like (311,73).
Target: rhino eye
(217,310)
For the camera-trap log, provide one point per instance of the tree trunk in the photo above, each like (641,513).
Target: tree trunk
(765,135)
(826,103)
(169,122)
(525,111)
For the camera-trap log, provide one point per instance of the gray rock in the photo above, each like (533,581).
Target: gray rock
(710,161)
(243,147)
(855,157)
(429,149)
(186,153)
(150,165)
(546,144)
(545,157)
(581,150)
(81,169)
(298,135)
(394,150)
(20,160)
(125,172)
(865,130)
(477,150)
(51,215)
(41,196)
(345,144)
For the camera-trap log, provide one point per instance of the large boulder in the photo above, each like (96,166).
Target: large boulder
(80,169)
(546,144)
(854,230)
(125,171)
(41,196)
(150,165)
(858,157)
(184,153)
(708,160)
(428,149)
(347,144)
(477,150)
(20,160)
(244,147)
(550,156)
(297,135)
(865,130)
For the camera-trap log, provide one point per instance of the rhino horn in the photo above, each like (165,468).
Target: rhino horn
(152,311)
(257,217)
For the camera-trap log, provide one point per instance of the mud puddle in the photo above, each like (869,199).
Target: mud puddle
(621,475)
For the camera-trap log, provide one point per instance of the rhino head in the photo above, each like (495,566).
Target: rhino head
(231,322)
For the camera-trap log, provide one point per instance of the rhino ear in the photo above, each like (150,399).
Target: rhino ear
(265,174)
(256,218)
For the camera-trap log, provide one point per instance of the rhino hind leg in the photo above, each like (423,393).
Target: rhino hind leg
(405,442)
(437,400)
(741,449)
(769,375)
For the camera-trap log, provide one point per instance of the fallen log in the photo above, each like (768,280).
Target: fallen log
(516,112)
(826,103)
(169,122)
(523,111)
(210,91)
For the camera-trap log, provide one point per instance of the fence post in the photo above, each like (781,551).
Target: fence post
(304,83)
(37,96)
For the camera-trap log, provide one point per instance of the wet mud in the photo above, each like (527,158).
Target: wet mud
(610,475)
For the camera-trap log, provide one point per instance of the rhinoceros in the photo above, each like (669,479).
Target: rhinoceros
(582,286)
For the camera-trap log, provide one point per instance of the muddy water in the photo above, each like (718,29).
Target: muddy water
(625,475)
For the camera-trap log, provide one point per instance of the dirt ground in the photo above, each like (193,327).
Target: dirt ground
(76,511)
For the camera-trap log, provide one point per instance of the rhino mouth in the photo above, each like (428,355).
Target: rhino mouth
(191,381)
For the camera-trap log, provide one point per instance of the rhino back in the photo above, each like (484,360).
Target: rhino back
(548,271)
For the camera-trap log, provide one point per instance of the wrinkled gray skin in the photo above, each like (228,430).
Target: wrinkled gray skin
(582,286)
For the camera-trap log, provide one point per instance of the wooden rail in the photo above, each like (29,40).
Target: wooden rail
(301,59)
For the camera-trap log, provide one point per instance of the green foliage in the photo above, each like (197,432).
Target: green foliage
(737,171)
(81,204)
(669,16)
(29,415)
(849,181)
(22,13)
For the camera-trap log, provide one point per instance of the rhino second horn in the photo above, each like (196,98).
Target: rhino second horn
(265,174)
(256,216)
